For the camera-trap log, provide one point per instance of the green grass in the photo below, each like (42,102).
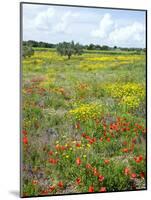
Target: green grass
(53,87)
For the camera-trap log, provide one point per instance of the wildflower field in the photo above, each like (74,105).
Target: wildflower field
(83,122)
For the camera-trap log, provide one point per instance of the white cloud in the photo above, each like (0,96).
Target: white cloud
(55,24)
(38,19)
(43,19)
(104,27)
(63,26)
(50,20)
(130,33)
(120,33)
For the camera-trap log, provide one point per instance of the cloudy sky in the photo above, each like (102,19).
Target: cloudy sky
(55,24)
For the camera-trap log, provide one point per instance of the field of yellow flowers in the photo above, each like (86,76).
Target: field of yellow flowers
(83,123)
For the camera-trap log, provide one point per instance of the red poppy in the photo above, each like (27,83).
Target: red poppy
(87,137)
(95,172)
(106,161)
(25,140)
(101,139)
(124,129)
(133,175)
(50,153)
(63,148)
(125,143)
(44,192)
(77,126)
(78,145)
(94,139)
(108,139)
(140,127)
(91,140)
(53,161)
(24,132)
(114,126)
(58,147)
(126,171)
(138,159)
(125,150)
(104,133)
(78,161)
(88,166)
(134,140)
(34,182)
(103,189)
(83,134)
(60,184)
(51,188)
(101,178)
(91,189)
(78,181)
(142,174)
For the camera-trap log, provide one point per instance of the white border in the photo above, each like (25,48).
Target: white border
(9,97)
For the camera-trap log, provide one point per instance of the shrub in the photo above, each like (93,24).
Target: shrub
(27,51)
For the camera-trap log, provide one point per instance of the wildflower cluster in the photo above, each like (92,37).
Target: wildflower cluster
(112,58)
(75,137)
(130,94)
(88,66)
(95,173)
(86,111)
(93,62)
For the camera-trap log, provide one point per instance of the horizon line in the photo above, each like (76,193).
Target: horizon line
(84,44)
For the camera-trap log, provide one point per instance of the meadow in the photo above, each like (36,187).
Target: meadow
(83,122)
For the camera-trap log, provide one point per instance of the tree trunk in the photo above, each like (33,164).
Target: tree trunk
(69,56)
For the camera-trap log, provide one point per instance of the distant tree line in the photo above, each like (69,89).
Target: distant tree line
(33,43)
(67,48)
(97,47)
(105,47)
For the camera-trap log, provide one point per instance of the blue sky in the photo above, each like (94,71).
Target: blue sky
(111,27)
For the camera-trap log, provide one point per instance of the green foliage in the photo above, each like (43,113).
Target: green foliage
(33,43)
(69,49)
(76,130)
(27,51)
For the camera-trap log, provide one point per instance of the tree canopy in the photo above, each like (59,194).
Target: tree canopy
(69,49)
(27,51)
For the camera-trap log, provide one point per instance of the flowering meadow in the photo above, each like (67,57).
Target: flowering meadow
(83,122)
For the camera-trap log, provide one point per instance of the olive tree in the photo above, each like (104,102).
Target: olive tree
(27,51)
(69,49)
